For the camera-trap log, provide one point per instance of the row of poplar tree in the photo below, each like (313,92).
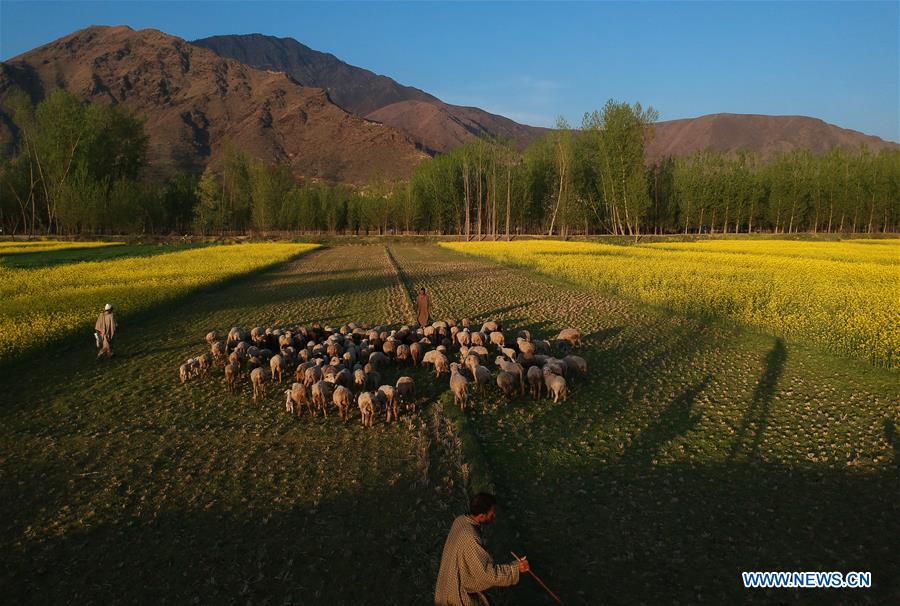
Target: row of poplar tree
(78,169)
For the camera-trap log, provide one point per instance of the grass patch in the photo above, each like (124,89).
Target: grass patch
(693,450)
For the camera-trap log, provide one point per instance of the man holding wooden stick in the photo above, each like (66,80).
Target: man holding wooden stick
(467,569)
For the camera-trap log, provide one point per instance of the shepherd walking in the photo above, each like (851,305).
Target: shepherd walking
(104,330)
(423,309)
(467,569)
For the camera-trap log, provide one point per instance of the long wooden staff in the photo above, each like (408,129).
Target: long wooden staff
(538,579)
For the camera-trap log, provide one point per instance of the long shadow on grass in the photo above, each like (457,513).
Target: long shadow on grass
(683,534)
(759,411)
(675,420)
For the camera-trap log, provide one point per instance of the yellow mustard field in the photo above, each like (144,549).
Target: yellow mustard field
(39,305)
(35,246)
(844,296)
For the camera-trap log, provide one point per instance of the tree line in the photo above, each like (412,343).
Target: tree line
(80,168)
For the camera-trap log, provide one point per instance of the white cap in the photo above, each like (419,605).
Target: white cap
(107,307)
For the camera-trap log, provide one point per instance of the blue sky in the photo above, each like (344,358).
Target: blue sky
(532,61)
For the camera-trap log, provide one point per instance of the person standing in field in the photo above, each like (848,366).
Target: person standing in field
(423,309)
(104,330)
(467,569)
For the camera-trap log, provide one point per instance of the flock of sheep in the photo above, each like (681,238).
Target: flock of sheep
(340,367)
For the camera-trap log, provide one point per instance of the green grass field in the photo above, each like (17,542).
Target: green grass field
(694,450)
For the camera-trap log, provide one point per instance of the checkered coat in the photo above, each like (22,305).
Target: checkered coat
(467,569)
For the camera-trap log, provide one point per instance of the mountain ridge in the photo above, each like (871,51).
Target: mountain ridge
(196,103)
(374,96)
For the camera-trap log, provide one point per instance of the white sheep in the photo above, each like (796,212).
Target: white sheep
(556,385)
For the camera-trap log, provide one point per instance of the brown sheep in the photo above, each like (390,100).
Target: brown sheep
(480,351)
(373,379)
(334,350)
(276,367)
(576,366)
(188,370)
(321,394)
(491,326)
(312,375)
(507,382)
(235,336)
(258,378)
(526,347)
(232,376)
(571,335)
(496,338)
(482,378)
(441,364)
(378,360)
(406,391)
(205,361)
(344,378)
(297,396)
(402,354)
(415,353)
(535,381)
(359,380)
(391,402)
(366,403)
(342,398)
(470,362)
(464,338)
(459,386)
(514,368)
(212,336)
(217,349)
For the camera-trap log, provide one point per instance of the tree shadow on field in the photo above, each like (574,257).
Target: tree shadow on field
(497,312)
(676,420)
(758,413)
(599,337)
(364,546)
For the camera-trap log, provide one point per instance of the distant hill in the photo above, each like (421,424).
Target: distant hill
(765,135)
(195,102)
(436,125)
(281,101)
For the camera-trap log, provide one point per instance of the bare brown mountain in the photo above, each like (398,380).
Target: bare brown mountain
(765,135)
(436,125)
(196,102)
